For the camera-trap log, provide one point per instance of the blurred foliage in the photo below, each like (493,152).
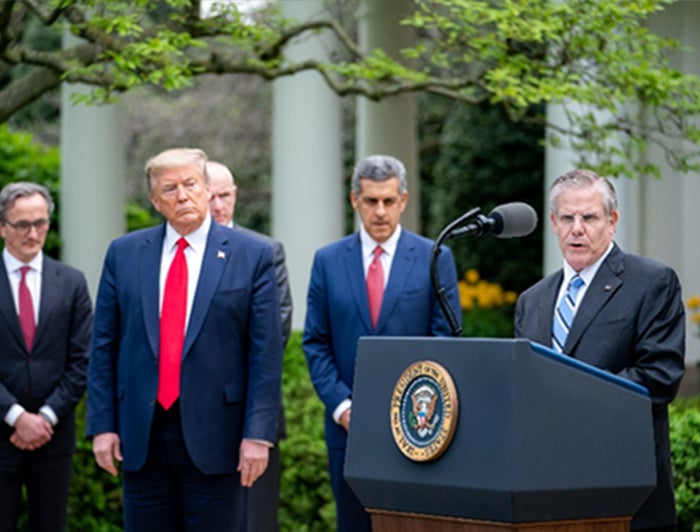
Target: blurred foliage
(475,157)
(306,499)
(684,421)
(487,309)
(23,159)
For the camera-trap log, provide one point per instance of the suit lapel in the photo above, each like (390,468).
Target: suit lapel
(401,267)
(355,273)
(7,306)
(149,276)
(217,254)
(604,285)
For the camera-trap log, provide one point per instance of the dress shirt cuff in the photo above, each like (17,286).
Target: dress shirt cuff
(340,409)
(13,413)
(262,442)
(49,415)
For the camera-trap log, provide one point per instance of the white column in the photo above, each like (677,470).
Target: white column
(389,127)
(671,203)
(92,180)
(308,201)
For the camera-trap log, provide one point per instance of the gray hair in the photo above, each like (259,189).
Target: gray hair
(22,189)
(582,178)
(379,168)
(174,158)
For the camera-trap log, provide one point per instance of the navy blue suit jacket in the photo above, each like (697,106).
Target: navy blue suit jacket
(630,322)
(338,312)
(232,357)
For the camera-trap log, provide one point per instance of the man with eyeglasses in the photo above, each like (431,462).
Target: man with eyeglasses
(620,312)
(45,322)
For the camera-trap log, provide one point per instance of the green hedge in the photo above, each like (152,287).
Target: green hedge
(685,449)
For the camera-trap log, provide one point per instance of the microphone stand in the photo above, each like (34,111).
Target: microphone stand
(455,325)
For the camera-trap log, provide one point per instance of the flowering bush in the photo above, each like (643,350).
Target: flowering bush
(693,305)
(487,309)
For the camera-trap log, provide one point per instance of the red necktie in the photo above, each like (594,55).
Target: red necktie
(172,328)
(375,286)
(26,310)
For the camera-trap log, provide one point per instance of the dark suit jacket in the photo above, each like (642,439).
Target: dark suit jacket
(338,312)
(232,357)
(631,322)
(285,295)
(55,371)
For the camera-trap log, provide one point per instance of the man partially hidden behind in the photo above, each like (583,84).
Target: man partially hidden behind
(620,312)
(184,378)
(45,321)
(263,498)
(375,282)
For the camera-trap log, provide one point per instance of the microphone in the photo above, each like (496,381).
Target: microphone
(510,220)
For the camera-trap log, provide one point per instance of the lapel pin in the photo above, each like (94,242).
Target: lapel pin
(607,287)
(220,255)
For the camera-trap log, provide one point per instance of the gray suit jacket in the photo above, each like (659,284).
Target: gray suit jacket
(630,322)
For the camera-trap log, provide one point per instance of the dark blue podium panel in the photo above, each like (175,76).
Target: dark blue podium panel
(538,437)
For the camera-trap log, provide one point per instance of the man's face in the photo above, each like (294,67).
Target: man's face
(223,197)
(583,229)
(379,206)
(25,243)
(182,197)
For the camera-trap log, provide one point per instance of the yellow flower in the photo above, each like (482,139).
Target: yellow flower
(693,302)
(477,292)
(471,276)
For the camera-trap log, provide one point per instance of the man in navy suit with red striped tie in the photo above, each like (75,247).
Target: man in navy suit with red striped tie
(373,282)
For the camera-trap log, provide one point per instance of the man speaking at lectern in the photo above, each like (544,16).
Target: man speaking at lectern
(373,282)
(620,312)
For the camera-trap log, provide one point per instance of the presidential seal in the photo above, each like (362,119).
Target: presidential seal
(424,411)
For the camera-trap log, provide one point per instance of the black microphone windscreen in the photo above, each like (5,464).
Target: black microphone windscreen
(513,220)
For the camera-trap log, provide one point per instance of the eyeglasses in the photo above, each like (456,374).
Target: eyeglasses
(24,226)
(585,219)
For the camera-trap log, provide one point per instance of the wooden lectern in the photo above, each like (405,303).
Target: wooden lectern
(538,441)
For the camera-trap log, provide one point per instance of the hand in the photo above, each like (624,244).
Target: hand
(106,448)
(32,431)
(344,419)
(253,457)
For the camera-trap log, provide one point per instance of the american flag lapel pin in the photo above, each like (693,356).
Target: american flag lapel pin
(220,255)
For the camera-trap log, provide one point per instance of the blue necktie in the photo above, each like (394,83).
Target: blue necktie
(564,316)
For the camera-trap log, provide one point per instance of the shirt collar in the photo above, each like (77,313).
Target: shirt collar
(389,246)
(12,263)
(197,239)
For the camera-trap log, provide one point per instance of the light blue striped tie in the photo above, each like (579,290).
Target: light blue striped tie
(564,315)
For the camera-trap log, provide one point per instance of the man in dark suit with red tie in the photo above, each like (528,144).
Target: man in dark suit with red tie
(185,367)
(45,320)
(373,282)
